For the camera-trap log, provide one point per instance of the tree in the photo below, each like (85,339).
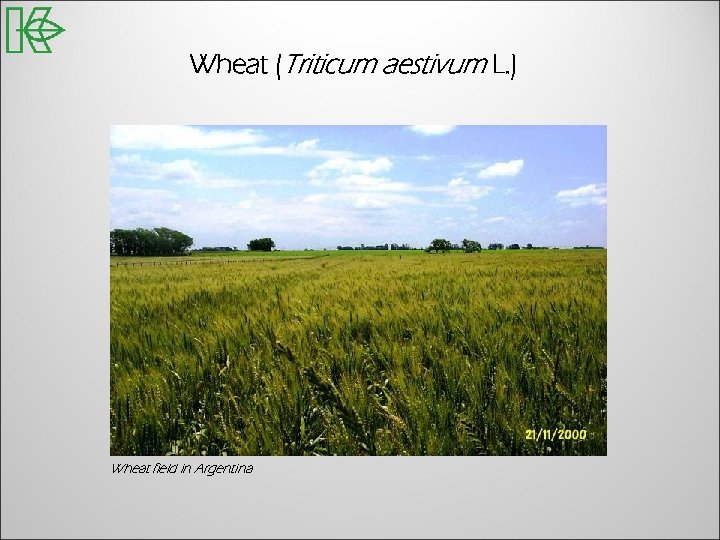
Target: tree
(495,246)
(513,246)
(149,242)
(261,244)
(170,242)
(440,244)
(471,246)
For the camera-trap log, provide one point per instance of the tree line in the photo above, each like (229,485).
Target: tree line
(217,248)
(379,247)
(442,245)
(471,246)
(258,244)
(149,242)
(164,241)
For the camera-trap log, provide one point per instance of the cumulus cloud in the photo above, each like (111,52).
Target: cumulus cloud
(590,194)
(227,142)
(180,137)
(509,168)
(496,219)
(355,174)
(134,207)
(349,166)
(308,148)
(370,183)
(460,190)
(428,130)
(571,223)
(446,222)
(360,199)
(180,171)
(134,165)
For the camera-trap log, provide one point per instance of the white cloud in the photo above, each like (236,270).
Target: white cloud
(590,194)
(180,137)
(227,142)
(181,171)
(446,223)
(496,219)
(305,146)
(425,157)
(355,174)
(135,166)
(427,130)
(509,168)
(308,148)
(571,224)
(134,207)
(350,166)
(370,183)
(362,199)
(316,198)
(372,201)
(460,190)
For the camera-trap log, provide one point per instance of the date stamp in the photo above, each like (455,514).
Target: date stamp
(559,434)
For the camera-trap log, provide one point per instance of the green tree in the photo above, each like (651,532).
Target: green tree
(170,242)
(440,244)
(261,244)
(149,242)
(471,246)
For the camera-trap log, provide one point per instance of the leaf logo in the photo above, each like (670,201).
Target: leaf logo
(38,30)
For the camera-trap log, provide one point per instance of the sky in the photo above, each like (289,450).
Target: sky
(319,187)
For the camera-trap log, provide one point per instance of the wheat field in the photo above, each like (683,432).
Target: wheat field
(361,353)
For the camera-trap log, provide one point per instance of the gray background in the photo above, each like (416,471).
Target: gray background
(649,71)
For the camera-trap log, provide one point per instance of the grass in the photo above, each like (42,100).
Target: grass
(361,353)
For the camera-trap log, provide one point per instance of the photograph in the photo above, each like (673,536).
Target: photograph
(360,269)
(358,290)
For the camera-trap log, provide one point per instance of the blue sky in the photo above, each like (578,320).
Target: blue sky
(323,186)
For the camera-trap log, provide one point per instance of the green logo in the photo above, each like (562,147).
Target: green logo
(38,30)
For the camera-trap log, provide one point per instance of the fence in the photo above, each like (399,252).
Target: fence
(212,261)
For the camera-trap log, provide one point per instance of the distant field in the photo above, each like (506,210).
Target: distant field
(216,256)
(360,353)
